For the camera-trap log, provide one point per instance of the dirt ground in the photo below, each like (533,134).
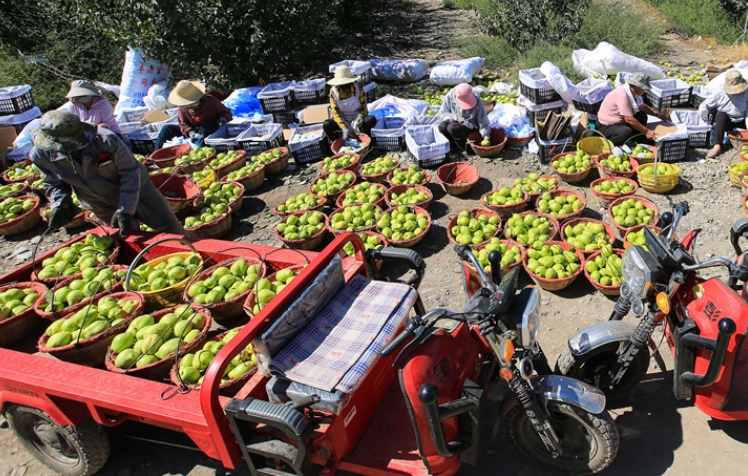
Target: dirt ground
(659,435)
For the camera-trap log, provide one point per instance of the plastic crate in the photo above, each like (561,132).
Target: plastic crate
(277,97)
(427,145)
(134,114)
(535,87)
(698,130)
(309,151)
(371,92)
(538,112)
(142,146)
(584,107)
(285,118)
(668,93)
(547,149)
(389,134)
(672,150)
(698,95)
(225,138)
(19,121)
(311,92)
(250,141)
(15,100)
(590,94)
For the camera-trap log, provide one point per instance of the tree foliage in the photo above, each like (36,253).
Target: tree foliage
(524,23)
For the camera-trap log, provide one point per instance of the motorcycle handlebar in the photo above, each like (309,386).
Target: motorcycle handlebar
(466,254)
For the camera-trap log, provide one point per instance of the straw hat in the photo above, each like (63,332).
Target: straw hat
(186,93)
(343,76)
(62,131)
(735,82)
(81,87)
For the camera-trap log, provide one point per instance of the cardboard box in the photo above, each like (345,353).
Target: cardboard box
(713,70)
(316,114)
(662,128)
(7,136)
(155,116)
(287,133)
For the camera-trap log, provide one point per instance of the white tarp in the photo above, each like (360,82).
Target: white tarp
(606,60)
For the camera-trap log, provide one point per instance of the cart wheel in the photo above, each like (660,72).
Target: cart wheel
(76,451)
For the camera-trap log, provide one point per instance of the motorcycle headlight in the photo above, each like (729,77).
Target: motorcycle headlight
(531,320)
(636,272)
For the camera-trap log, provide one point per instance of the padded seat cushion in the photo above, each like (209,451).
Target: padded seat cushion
(335,351)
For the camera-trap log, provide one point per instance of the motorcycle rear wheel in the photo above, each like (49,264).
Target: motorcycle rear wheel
(594,367)
(589,442)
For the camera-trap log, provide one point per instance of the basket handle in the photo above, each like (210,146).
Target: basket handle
(595,131)
(135,262)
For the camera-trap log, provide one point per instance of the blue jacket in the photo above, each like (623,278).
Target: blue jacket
(107,177)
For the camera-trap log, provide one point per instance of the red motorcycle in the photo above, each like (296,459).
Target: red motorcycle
(705,323)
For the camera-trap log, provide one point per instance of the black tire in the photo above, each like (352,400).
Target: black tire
(589,442)
(75,451)
(593,368)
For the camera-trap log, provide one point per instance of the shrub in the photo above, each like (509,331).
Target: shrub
(700,17)
(620,25)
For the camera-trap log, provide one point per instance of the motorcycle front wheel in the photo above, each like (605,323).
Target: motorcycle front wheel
(594,368)
(589,442)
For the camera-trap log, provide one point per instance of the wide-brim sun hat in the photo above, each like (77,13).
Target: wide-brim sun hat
(62,131)
(465,96)
(81,87)
(640,80)
(735,82)
(342,77)
(186,93)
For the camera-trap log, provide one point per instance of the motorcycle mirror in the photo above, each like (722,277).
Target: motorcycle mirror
(666,220)
(494,258)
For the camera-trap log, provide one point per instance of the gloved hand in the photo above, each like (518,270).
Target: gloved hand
(346,133)
(60,217)
(222,121)
(704,114)
(195,137)
(123,221)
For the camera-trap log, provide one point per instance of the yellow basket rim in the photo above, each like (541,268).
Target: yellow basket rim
(182,283)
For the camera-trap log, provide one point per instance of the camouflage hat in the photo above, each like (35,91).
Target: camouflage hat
(62,131)
(640,80)
(735,82)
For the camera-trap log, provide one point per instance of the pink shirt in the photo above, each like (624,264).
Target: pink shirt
(101,113)
(615,107)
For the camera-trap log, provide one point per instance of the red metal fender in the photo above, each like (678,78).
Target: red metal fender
(62,412)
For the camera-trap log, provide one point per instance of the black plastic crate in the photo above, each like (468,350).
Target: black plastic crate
(391,144)
(676,100)
(371,95)
(258,147)
(17,105)
(696,100)
(312,153)
(287,102)
(538,96)
(699,140)
(550,150)
(142,146)
(223,148)
(536,116)
(285,118)
(364,78)
(586,107)
(673,150)
(310,98)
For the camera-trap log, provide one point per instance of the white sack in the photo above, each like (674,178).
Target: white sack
(409,70)
(559,82)
(139,74)
(158,97)
(450,73)
(606,60)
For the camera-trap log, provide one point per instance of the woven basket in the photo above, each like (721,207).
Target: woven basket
(556,284)
(609,230)
(475,213)
(565,193)
(506,210)
(306,244)
(60,313)
(664,184)
(571,178)
(332,198)
(160,370)
(644,160)
(551,220)
(378,178)
(498,140)
(341,198)
(22,191)
(426,177)
(473,282)
(338,144)
(16,328)
(78,221)
(226,309)
(457,178)
(214,229)
(249,304)
(91,352)
(737,138)
(634,229)
(279,165)
(26,221)
(236,204)
(606,172)
(605,199)
(413,241)
(404,188)
(314,208)
(745,208)
(534,195)
(744,182)
(184,189)
(734,174)
(606,290)
(167,156)
(112,258)
(170,296)
(519,142)
(250,182)
(358,230)
(235,164)
(594,146)
(225,389)
(647,203)
(743,155)
(353,167)
(189,168)
(20,164)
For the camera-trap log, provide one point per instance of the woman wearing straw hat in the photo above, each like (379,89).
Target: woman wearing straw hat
(103,173)
(728,106)
(623,113)
(348,104)
(86,102)
(199,114)
(465,114)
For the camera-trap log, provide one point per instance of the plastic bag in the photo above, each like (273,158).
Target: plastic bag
(591,91)
(391,106)
(244,102)
(24,137)
(606,60)
(503,88)
(139,74)
(559,82)
(157,97)
(409,71)
(449,73)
